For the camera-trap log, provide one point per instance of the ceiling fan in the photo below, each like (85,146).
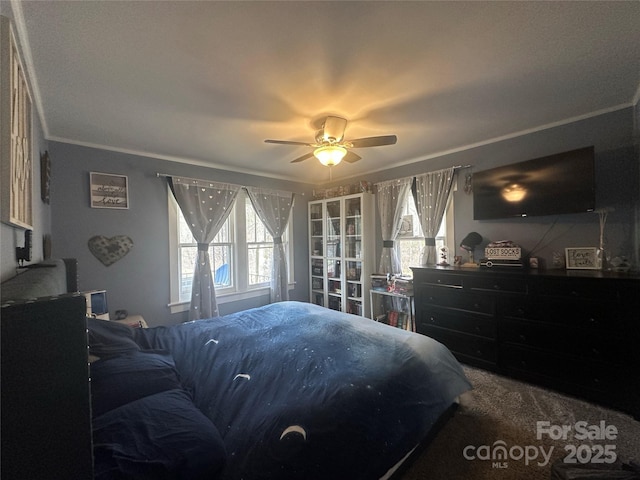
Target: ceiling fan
(330,147)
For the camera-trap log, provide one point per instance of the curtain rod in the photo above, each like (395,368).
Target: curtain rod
(158,174)
(455,167)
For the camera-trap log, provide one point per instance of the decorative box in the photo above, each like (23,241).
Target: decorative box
(503,253)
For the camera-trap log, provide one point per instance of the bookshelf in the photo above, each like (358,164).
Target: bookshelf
(392,308)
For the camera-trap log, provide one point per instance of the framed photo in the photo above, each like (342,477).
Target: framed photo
(109,191)
(16,164)
(582,258)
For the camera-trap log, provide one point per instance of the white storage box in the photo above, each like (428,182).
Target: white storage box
(503,253)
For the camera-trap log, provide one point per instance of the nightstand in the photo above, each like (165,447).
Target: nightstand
(134,321)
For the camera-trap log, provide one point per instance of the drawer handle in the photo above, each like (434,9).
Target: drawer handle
(479,353)
(432,319)
(595,351)
(476,306)
(496,287)
(522,338)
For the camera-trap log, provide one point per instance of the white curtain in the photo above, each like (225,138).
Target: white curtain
(431,194)
(274,208)
(205,206)
(391,197)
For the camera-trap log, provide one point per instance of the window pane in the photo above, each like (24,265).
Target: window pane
(184,234)
(256,231)
(411,239)
(259,247)
(187,266)
(219,255)
(260,260)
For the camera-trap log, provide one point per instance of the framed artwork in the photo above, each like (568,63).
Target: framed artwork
(582,258)
(45,177)
(16,164)
(109,191)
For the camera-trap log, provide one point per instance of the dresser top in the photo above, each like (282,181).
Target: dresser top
(530,272)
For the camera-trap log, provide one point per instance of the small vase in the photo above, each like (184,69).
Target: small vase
(601,259)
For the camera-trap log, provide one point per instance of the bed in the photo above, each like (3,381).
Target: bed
(290,390)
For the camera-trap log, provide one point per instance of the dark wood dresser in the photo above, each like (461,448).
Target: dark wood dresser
(574,331)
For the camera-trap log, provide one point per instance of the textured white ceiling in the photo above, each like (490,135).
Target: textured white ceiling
(206,82)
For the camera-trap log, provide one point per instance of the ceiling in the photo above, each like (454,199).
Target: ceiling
(207,82)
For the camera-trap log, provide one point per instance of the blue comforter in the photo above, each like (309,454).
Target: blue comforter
(298,391)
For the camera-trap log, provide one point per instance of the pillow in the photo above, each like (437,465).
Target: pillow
(158,437)
(109,338)
(116,381)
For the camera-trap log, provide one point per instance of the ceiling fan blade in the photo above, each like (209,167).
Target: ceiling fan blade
(287,142)
(333,129)
(373,141)
(351,157)
(302,158)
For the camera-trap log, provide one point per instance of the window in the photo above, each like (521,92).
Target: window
(410,240)
(259,247)
(241,255)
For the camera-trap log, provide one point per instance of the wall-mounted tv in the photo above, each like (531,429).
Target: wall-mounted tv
(557,184)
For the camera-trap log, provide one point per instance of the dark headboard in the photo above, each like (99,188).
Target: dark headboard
(44,279)
(46,408)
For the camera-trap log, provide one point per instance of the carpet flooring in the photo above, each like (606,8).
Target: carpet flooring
(503,412)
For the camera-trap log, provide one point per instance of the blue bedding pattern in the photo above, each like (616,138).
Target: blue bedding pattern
(298,391)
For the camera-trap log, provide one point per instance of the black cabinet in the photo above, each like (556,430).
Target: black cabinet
(573,331)
(46,406)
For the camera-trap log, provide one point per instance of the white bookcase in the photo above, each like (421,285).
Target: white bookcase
(341,252)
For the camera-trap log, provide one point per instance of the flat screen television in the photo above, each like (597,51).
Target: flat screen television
(557,184)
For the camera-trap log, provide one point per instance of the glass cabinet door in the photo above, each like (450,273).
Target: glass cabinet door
(353,254)
(316,233)
(317,281)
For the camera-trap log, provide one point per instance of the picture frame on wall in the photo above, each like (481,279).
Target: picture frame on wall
(16,155)
(582,258)
(109,190)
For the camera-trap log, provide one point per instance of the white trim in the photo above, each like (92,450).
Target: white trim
(508,136)
(25,48)
(636,97)
(173,158)
(221,299)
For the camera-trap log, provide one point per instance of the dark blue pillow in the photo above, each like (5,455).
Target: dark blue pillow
(116,381)
(109,338)
(158,437)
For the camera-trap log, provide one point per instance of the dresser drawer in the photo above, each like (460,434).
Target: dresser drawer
(565,311)
(566,340)
(464,344)
(491,283)
(443,279)
(456,299)
(583,288)
(563,369)
(475,325)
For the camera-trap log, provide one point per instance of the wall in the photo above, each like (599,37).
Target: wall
(617,185)
(139,282)
(11,237)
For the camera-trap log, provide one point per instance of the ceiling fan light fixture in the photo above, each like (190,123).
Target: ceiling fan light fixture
(330,155)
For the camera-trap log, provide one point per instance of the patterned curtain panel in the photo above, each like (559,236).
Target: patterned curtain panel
(391,196)
(431,194)
(205,206)
(274,208)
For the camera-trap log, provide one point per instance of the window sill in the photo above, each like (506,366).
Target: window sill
(223,298)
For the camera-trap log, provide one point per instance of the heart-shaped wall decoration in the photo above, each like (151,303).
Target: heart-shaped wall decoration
(110,250)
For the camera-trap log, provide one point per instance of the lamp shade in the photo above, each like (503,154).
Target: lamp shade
(471,241)
(329,155)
